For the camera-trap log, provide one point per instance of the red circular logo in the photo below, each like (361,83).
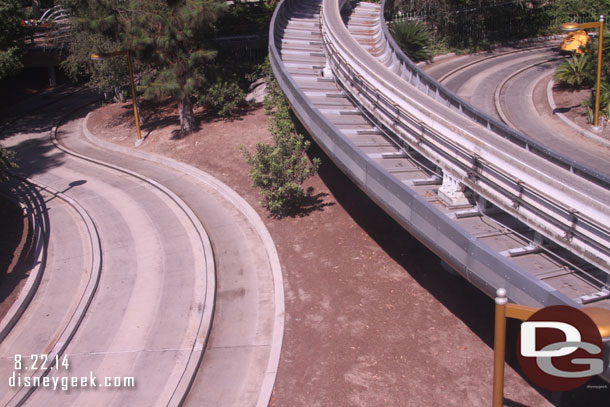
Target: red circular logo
(559,348)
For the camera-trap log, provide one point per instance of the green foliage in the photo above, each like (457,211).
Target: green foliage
(279,169)
(604,103)
(224,98)
(478,24)
(6,163)
(588,10)
(245,18)
(11,14)
(105,76)
(171,38)
(166,38)
(413,38)
(274,95)
(575,72)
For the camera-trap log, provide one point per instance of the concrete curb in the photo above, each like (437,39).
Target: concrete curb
(259,226)
(562,117)
(462,67)
(35,275)
(87,296)
(441,57)
(499,88)
(205,322)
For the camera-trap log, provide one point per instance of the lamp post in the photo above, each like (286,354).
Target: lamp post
(569,27)
(102,56)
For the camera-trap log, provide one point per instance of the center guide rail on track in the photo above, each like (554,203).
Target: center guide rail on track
(311,48)
(550,200)
(571,211)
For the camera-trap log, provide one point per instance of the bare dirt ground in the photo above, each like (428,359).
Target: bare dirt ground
(569,103)
(13,246)
(371,317)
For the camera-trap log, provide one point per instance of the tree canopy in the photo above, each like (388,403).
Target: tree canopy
(167,39)
(11,14)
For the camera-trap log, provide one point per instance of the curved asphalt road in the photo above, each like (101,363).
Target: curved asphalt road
(150,315)
(516,84)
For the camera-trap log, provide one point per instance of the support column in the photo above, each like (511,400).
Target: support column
(452,191)
(52,77)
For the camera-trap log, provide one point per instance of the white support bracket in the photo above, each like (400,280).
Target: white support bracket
(451,192)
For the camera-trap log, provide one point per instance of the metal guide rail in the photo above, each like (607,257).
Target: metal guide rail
(400,185)
(558,204)
(431,87)
(488,247)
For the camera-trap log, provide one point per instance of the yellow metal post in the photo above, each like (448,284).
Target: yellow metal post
(102,56)
(569,27)
(499,347)
(599,70)
(133,98)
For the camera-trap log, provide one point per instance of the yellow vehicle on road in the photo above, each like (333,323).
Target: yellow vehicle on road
(574,42)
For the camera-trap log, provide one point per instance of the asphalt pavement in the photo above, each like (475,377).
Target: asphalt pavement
(158,280)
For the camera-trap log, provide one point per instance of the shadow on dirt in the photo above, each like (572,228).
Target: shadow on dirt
(465,301)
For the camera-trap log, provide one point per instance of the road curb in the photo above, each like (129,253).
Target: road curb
(498,91)
(441,57)
(205,322)
(85,300)
(563,118)
(36,220)
(254,219)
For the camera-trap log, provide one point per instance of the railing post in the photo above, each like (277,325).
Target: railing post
(499,347)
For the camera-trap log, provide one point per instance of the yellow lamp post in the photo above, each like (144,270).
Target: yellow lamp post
(101,56)
(600,316)
(569,27)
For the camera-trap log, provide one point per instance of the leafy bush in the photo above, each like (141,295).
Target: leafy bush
(6,163)
(279,169)
(574,72)
(224,98)
(604,103)
(274,95)
(413,38)
(11,13)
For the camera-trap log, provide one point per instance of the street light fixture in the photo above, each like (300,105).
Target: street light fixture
(569,27)
(102,56)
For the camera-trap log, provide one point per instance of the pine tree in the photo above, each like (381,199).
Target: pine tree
(172,40)
(11,13)
(166,37)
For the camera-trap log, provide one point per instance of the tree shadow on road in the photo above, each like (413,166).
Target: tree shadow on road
(30,137)
(18,257)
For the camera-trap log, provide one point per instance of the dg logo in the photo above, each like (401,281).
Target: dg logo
(560,348)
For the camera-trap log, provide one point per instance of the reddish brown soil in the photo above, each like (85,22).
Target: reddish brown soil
(371,317)
(569,101)
(13,246)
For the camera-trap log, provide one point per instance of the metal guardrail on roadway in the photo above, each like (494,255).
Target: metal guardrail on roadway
(555,202)
(434,89)
(483,267)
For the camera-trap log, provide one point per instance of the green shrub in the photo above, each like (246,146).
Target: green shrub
(224,99)
(279,169)
(413,38)
(6,163)
(604,103)
(574,72)
(274,95)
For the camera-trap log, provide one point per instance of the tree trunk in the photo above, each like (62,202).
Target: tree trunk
(36,9)
(188,123)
